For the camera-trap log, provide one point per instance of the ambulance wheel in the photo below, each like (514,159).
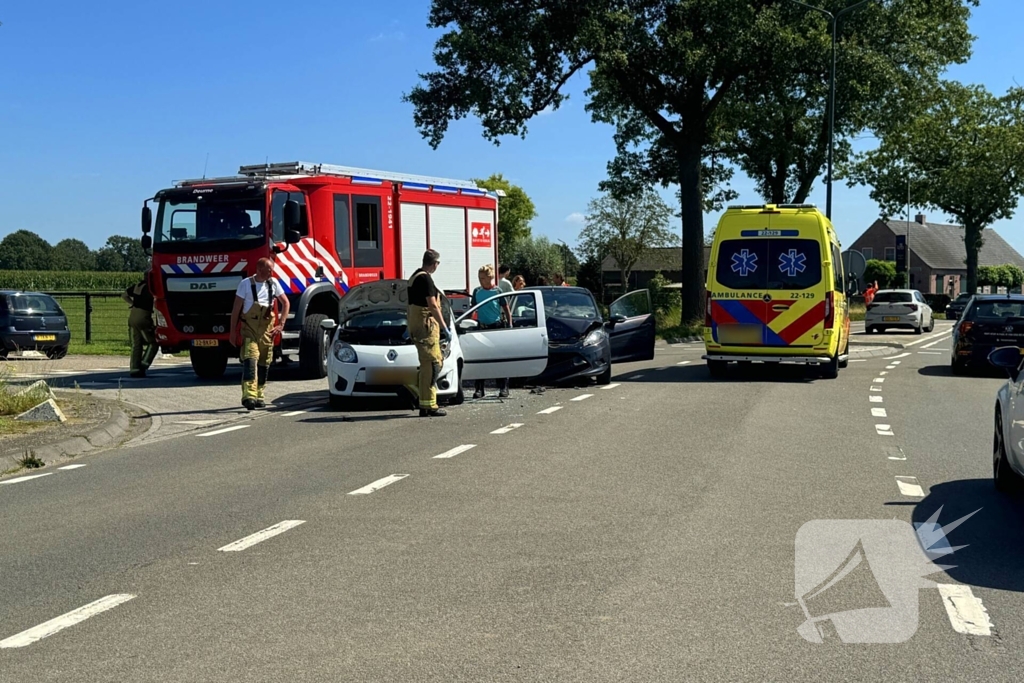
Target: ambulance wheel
(208,363)
(717,368)
(830,370)
(313,347)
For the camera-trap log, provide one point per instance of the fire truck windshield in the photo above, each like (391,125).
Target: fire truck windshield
(220,220)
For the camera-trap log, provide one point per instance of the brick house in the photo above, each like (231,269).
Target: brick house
(936,255)
(665,260)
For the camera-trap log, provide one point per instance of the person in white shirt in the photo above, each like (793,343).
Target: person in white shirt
(253,329)
(503,283)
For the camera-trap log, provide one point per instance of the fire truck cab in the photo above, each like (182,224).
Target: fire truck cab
(327,228)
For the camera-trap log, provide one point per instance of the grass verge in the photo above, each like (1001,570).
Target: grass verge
(13,404)
(670,326)
(99,349)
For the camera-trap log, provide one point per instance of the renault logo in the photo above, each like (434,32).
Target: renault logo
(392,355)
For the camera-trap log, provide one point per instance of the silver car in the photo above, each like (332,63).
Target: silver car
(903,309)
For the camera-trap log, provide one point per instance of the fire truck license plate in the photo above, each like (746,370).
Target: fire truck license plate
(205,342)
(46,337)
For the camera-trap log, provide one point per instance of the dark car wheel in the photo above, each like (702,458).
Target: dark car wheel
(460,395)
(606,376)
(1003,476)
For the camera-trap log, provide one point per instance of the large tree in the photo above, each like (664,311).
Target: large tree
(24,250)
(775,119)
(963,155)
(533,258)
(122,254)
(515,211)
(626,229)
(72,255)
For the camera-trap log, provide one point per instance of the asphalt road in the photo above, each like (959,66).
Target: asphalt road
(650,530)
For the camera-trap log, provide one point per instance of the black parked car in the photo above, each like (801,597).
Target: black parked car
(582,344)
(31,321)
(988,322)
(955,308)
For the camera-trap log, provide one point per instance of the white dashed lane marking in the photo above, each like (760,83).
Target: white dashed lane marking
(225,430)
(909,487)
(876,399)
(876,388)
(878,412)
(581,397)
(897,362)
(610,386)
(548,411)
(878,380)
(884,430)
(18,480)
(884,372)
(64,621)
(902,355)
(378,485)
(261,536)
(455,451)
(930,353)
(507,429)
(966,612)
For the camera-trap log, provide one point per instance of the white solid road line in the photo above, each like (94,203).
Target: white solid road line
(876,399)
(878,412)
(902,355)
(378,485)
(635,377)
(548,411)
(225,430)
(884,430)
(928,339)
(455,451)
(910,487)
(70,467)
(259,536)
(966,612)
(581,397)
(685,362)
(509,428)
(928,346)
(858,360)
(930,353)
(610,386)
(62,622)
(18,480)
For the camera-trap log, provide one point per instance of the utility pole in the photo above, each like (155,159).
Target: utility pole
(834,21)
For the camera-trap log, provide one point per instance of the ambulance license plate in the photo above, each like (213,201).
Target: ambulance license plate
(891,319)
(741,334)
(205,342)
(46,337)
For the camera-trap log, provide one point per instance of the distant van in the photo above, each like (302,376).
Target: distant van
(775,290)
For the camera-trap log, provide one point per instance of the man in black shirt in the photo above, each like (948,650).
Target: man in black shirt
(426,324)
(140,321)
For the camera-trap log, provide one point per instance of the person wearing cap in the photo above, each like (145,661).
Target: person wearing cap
(253,329)
(426,326)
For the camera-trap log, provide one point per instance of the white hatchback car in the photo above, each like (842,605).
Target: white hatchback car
(899,309)
(372,355)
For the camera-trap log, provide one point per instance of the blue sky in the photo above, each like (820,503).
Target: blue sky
(102,104)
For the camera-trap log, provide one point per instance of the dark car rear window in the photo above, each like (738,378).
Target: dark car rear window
(34,304)
(999,310)
(769,264)
(893,298)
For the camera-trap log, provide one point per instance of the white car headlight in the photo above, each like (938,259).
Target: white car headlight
(344,353)
(595,337)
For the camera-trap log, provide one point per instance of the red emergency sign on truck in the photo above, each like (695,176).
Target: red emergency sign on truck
(326,227)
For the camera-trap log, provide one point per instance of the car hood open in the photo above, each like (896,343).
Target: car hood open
(377,294)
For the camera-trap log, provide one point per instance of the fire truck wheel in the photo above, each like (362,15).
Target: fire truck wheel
(313,347)
(209,363)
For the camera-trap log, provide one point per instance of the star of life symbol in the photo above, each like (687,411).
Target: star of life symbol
(744,262)
(858,579)
(791,263)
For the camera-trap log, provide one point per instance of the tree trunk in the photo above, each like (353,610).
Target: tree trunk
(691,199)
(972,242)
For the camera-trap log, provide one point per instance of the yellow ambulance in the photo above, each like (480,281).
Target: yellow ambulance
(775,290)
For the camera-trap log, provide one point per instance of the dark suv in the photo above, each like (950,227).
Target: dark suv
(31,321)
(988,322)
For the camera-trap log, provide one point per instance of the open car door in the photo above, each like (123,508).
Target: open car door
(631,327)
(508,351)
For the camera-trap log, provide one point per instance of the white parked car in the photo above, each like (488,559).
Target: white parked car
(1008,436)
(903,309)
(371,353)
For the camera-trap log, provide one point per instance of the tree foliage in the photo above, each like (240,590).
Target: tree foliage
(72,255)
(1008,275)
(515,211)
(626,229)
(24,250)
(122,254)
(882,272)
(533,258)
(962,155)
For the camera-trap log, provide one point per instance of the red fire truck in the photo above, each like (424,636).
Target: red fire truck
(326,227)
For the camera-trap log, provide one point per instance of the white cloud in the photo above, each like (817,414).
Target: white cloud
(393,36)
(575,217)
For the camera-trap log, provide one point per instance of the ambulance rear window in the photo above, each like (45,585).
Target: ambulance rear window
(759,263)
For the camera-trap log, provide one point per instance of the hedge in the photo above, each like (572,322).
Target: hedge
(60,281)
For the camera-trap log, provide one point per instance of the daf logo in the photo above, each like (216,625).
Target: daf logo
(202,285)
(392,355)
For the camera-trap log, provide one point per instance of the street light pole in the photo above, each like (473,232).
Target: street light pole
(834,20)
(565,259)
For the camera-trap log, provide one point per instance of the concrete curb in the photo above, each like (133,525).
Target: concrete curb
(110,432)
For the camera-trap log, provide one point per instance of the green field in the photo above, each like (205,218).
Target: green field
(110,334)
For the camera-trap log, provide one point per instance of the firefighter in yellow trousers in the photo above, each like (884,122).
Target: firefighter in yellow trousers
(143,329)
(426,325)
(254,313)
